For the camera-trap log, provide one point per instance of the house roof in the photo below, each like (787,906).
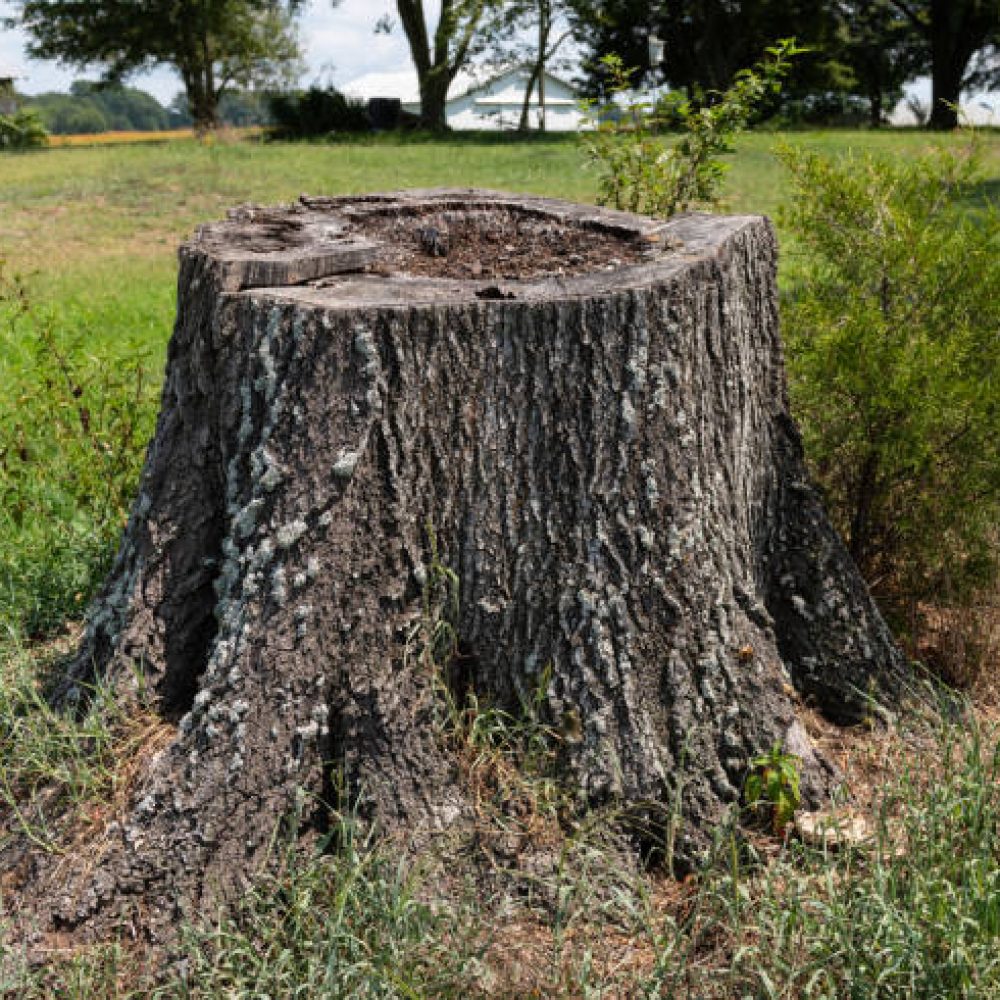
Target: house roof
(403,84)
(481,83)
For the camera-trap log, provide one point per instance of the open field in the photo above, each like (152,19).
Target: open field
(88,240)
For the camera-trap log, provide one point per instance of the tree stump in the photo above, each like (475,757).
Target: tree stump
(586,409)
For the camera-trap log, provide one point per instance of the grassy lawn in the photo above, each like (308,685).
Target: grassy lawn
(94,231)
(88,241)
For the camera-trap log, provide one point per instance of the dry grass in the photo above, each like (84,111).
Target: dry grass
(168,135)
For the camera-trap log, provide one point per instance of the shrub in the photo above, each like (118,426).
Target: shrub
(22,130)
(639,173)
(891,328)
(317,112)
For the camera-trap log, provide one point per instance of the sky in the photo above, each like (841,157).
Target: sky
(340,45)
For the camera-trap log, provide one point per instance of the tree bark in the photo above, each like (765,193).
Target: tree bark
(524,123)
(608,464)
(434,99)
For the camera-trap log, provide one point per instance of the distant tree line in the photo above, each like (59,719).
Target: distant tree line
(92,107)
(89,108)
(862,52)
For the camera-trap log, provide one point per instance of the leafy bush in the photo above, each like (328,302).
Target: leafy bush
(317,112)
(72,431)
(891,328)
(22,130)
(638,173)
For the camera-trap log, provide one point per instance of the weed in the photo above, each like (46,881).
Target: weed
(638,173)
(772,786)
(509,760)
(346,924)
(62,777)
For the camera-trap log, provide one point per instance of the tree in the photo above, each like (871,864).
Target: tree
(707,41)
(955,32)
(212,44)
(369,509)
(880,51)
(437,63)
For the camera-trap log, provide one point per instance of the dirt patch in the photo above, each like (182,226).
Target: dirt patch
(493,243)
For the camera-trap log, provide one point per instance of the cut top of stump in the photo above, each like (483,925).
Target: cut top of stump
(452,244)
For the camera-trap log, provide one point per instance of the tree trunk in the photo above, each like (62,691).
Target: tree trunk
(875,111)
(202,104)
(953,41)
(606,461)
(434,98)
(524,124)
(946,87)
(541,100)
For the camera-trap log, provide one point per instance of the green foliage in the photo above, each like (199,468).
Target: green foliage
(773,785)
(212,44)
(72,430)
(90,108)
(638,173)
(879,50)
(707,43)
(22,130)
(317,112)
(893,356)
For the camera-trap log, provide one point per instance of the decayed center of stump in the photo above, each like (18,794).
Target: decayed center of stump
(444,234)
(495,242)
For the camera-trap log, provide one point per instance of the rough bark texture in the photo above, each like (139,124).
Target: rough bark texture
(608,465)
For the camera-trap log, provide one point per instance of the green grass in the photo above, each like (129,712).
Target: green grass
(912,913)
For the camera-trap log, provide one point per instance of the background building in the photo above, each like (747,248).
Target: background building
(492,103)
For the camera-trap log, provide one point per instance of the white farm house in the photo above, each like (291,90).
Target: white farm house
(492,103)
